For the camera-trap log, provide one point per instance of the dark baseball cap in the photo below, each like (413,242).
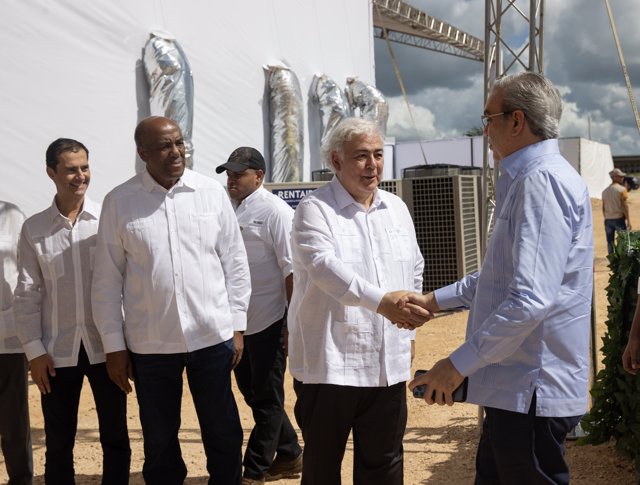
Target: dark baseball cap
(243,158)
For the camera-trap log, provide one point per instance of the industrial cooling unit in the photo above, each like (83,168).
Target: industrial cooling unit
(447,222)
(445,212)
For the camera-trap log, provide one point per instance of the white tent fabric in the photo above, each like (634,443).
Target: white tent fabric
(73,69)
(592,159)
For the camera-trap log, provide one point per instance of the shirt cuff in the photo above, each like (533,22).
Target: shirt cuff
(447,297)
(113,342)
(34,349)
(466,360)
(371,297)
(239,321)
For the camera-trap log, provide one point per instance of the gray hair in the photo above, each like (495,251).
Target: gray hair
(344,132)
(537,97)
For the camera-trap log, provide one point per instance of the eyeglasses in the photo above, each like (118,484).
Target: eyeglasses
(486,119)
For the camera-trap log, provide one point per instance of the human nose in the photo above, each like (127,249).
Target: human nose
(370,162)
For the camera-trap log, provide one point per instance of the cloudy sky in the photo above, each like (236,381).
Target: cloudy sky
(445,92)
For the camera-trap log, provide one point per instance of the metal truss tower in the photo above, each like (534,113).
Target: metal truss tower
(506,52)
(513,41)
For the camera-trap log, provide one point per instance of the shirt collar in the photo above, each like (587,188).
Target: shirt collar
(149,183)
(515,163)
(248,200)
(344,198)
(90,210)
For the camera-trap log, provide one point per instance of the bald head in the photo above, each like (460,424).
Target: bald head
(161,147)
(151,125)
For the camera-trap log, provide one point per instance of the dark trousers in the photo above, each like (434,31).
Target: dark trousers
(377,416)
(15,434)
(610,228)
(522,448)
(158,381)
(260,378)
(60,410)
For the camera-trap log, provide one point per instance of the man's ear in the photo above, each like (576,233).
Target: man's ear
(141,154)
(51,173)
(518,121)
(335,161)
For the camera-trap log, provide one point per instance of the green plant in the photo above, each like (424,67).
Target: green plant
(615,412)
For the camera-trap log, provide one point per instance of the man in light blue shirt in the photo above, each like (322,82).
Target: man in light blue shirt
(527,344)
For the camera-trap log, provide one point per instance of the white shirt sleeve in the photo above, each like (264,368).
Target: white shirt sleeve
(28,298)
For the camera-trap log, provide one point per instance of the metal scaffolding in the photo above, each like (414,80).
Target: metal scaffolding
(505,54)
(397,21)
(408,25)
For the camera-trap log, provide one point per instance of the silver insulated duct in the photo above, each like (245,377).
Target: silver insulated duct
(333,103)
(369,100)
(170,84)
(286,115)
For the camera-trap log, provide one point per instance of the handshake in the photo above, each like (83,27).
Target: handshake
(408,310)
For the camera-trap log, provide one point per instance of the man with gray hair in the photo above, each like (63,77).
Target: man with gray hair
(527,344)
(352,244)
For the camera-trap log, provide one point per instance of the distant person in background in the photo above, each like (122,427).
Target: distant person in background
(54,322)
(15,435)
(615,208)
(265,222)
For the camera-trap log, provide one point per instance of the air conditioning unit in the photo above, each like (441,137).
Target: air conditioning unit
(446,217)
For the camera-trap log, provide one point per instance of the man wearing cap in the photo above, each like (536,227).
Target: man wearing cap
(265,223)
(615,208)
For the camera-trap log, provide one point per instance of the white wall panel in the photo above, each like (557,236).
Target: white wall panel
(72,68)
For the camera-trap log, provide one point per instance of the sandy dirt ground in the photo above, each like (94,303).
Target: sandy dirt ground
(440,442)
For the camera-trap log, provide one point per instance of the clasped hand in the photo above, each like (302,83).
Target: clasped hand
(405,309)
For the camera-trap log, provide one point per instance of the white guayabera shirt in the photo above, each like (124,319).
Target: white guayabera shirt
(345,258)
(53,296)
(11,219)
(174,261)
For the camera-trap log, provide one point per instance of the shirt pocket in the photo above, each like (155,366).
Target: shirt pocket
(140,236)
(206,228)
(354,343)
(253,236)
(349,243)
(52,266)
(399,243)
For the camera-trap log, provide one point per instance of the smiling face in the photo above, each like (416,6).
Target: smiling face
(359,167)
(71,175)
(162,148)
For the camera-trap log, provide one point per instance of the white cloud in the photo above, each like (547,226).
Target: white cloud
(401,126)
(580,58)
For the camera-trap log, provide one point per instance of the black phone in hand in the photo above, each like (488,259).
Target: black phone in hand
(459,395)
